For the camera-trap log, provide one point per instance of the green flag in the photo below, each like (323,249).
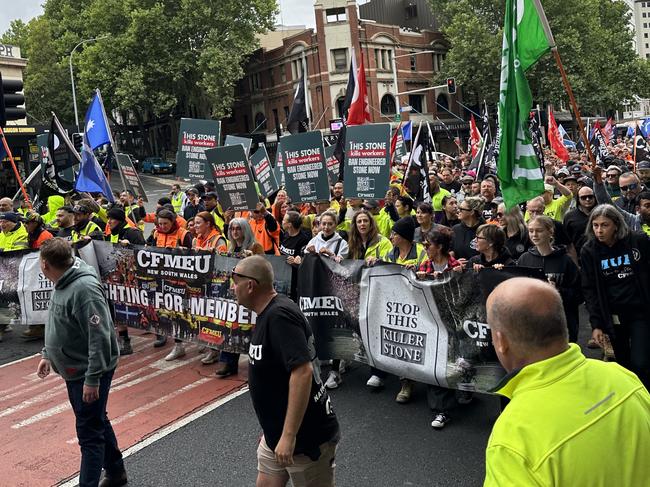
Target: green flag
(524,42)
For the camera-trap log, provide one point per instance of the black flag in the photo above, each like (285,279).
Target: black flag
(298,120)
(416,179)
(339,150)
(640,149)
(63,156)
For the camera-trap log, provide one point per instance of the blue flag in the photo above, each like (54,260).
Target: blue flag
(407,130)
(645,127)
(91,177)
(95,126)
(630,132)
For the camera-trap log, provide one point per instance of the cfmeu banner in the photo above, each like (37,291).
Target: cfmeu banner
(182,293)
(431,331)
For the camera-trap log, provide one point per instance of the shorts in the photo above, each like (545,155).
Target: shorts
(304,472)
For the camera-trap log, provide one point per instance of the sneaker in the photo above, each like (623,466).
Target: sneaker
(211,357)
(333,380)
(177,352)
(440,421)
(593,344)
(125,347)
(8,328)
(34,332)
(464,397)
(375,382)
(160,341)
(404,395)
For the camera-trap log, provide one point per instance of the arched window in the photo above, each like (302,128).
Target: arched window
(260,121)
(442,101)
(339,106)
(388,105)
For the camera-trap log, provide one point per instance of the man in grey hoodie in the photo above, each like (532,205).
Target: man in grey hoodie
(81,346)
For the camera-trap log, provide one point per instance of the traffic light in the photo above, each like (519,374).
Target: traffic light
(78,141)
(451,86)
(10,100)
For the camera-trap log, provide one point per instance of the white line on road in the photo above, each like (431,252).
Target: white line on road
(19,360)
(160,434)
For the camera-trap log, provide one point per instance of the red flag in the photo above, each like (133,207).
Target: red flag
(474,137)
(393,143)
(608,131)
(555,138)
(359,112)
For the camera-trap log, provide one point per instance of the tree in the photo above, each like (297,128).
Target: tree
(593,38)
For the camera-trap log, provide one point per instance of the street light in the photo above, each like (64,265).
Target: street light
(74,94)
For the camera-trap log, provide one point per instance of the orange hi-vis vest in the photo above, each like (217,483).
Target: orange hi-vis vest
(171,240)
(270,241)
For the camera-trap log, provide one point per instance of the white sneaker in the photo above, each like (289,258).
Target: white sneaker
(375,382)
(211,357)
(333,380)
(177,352)
(440,421)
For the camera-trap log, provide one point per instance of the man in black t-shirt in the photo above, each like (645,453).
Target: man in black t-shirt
(292,405)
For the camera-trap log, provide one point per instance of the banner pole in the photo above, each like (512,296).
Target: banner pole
(13,165)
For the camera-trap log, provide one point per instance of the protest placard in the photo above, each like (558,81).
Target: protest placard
(233,178)
(278,169)
(367,161)
(264,172)
(304,166)
(332,164)
(194,138)
(130,176)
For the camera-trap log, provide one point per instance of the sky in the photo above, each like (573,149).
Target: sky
(293,12)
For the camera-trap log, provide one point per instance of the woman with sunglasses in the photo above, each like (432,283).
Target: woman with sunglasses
(470,213)
(512,222)
(575,221)
(559,268)
(491,248)
(615,266)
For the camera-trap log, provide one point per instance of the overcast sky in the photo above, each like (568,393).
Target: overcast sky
(294,12)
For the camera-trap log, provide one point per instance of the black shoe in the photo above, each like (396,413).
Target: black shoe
(113,480)
(225,371)
(126,348)
(160,341)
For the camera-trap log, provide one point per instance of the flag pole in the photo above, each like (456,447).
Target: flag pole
(634,142)
(13,165)
(306,82)
(565,79)
(110,138)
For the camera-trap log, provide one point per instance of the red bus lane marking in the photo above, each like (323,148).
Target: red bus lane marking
(147,396)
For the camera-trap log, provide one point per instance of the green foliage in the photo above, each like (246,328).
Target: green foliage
(593,39)
(151,57)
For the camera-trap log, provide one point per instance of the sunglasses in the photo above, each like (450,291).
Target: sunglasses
(630,187)
(613,175)
(587,197)
(243,276)
(500,215)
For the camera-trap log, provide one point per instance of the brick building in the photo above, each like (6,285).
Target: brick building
(264,96)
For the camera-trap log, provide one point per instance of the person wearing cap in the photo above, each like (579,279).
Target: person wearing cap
(266,229)
(571,182)
(36,230)
(14,235)
(120,231)
(465,187)
(84,228)
(179,199)
(193,204)
(643,171)
(211,203)
(612,173)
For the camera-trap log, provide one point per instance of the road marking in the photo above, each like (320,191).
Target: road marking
(153,404)
(19,360)
(160,434)
(59,408)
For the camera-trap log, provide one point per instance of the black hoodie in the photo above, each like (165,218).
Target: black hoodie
(504,258)
(559,269)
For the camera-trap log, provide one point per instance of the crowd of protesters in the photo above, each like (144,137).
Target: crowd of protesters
(588,233)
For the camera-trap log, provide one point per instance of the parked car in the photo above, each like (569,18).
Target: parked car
(156,165)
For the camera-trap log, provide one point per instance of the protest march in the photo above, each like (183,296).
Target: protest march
(469,273)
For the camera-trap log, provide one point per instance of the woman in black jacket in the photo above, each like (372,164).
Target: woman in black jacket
(615,265)
(559,268)
(491,248)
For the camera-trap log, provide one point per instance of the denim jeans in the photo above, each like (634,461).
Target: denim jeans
(95,433)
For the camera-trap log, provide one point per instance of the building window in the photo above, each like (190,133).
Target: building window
(296,69)
(340,101)
(340,59)
(276,118)
(260,121)
(256,82)
(643,15)
(442,101)
(411,11)
(417,102)
(286,114)
(335,15)
(271,76)
(645,25)
(388,106)
(414,64)
(283,73)
(645,35)
(384,59)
